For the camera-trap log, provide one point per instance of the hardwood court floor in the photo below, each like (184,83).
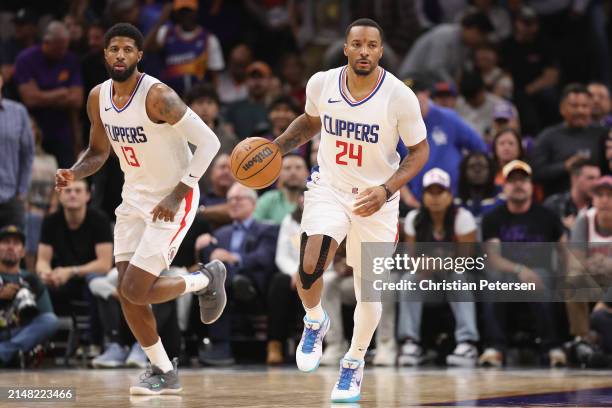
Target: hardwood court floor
(255,386)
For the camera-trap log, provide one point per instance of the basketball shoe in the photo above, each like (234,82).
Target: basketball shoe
(155,382)
(310,349)
(213,297)
(348,386)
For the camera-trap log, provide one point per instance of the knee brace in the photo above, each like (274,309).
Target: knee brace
(308,279)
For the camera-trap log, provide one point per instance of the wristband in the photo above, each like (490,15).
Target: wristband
(387,191)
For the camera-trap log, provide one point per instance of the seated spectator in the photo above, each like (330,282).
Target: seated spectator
(26,325)
(438,220)
(246,247)
(75,247)
(477,191)
(246,114)
(281,112)
(42,199)
(232,85)
(557,147)
(504,116)
(50,85)
(445,94)
(600,109)
(275,204)
(486,63)
(568,204)
(506,147)
(190,52)
(529,58)
(520,220)
(16,164)
(476,105)
(213,198)
(204,101)
(444,48)
(448,136)
(591,238)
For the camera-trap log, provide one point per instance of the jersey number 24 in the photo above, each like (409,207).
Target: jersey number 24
(350,149)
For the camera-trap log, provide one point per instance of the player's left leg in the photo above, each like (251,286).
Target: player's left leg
(380,227)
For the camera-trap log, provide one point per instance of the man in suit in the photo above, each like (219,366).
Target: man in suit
(247,248)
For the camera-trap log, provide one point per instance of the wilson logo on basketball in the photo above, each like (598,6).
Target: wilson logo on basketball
(258,158)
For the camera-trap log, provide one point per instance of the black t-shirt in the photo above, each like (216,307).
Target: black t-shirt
(75,247)
(538,224)
(527,61)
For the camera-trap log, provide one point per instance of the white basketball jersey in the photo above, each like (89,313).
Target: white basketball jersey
(359,139)
(153,156)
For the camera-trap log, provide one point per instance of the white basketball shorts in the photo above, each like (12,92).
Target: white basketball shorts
(149,245)
(328,210)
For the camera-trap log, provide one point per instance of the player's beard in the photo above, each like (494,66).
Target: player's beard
(361,71)
(120,76)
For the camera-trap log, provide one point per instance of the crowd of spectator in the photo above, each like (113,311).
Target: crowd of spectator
(515,96)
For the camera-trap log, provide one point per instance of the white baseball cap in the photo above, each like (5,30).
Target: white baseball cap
(436,176)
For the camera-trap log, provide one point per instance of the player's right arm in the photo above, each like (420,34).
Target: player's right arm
(300,131)
(308,124)
(96,153)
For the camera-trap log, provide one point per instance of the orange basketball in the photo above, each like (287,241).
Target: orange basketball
(256,162)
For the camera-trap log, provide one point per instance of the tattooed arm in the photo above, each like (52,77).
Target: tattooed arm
(164,105)
(410,166)
(301,130)
(372,199)
(97,151)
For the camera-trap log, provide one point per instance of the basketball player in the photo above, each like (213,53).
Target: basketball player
(361,111)
(148,127)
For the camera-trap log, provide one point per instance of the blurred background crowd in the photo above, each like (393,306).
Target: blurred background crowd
(515,95)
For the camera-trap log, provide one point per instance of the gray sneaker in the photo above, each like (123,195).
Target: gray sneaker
(113,357)
(137,357)
(155,382)
(212,298)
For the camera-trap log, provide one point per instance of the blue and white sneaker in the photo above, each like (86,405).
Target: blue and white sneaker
(348,386)
(310,349)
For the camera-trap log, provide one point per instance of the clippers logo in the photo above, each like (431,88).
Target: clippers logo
(171,253)
(258,158)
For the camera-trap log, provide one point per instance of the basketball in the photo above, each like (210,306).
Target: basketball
(256,162)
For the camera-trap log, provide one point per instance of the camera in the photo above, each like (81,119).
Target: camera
(24,304)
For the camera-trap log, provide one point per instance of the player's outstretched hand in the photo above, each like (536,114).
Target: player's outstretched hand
(369,201)
(63,178)
(166,209)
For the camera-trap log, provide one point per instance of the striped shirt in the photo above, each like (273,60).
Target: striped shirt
(17,147)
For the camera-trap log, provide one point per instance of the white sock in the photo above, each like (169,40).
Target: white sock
(195,281)
(158,357)
(366,317)
(316,313)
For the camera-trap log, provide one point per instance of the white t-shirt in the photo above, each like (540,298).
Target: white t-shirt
(359,138)
(464,222)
